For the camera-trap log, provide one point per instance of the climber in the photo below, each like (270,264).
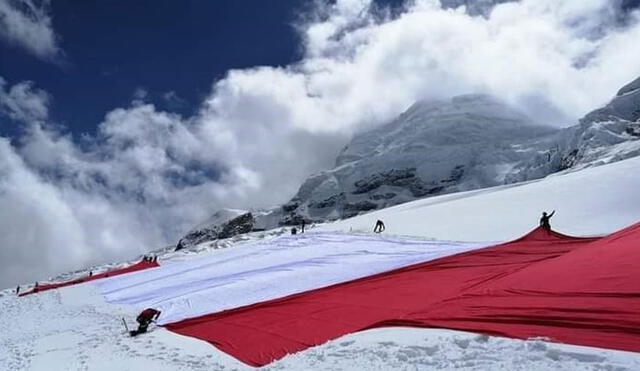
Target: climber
(544,220)
(144,319)
(379,226)
(303,224)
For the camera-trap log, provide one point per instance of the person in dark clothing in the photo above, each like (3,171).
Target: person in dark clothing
(379,226)
(294,230)
(544,220)
(303,225)
(90,273)
(155,259)
(144,319)
(18,290)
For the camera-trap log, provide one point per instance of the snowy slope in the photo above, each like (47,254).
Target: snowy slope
(593,201)
(73,329)
(76,328)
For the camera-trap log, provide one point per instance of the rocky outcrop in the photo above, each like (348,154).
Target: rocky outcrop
(238,225)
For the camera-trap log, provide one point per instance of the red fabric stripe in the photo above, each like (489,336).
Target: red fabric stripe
(578,290)
(132,268)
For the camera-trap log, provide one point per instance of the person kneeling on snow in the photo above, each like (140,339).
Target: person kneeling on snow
(144,320)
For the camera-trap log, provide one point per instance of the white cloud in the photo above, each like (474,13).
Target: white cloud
(23,102)
(28,23)
(534,48)
(148,174)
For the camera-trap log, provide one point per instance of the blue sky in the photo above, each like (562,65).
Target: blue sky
(174,50)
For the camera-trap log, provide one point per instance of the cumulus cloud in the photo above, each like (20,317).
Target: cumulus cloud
(563,55)
(28,24)
(148,175)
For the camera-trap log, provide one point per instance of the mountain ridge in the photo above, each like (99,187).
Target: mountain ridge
(437,147)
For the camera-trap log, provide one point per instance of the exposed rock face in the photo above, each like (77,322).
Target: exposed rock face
(238,225)
(242,224)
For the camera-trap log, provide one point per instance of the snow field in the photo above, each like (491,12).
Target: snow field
(74,329)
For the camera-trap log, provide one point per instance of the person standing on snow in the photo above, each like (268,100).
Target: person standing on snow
(379,226)
(303,224)
(544,220)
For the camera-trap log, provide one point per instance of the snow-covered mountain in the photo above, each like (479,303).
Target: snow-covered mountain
(440,147)
(435,147)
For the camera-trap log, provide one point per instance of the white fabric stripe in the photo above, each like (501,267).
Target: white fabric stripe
(268,270)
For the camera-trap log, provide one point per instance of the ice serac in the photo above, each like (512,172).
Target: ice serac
(605,135)
(623,107)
